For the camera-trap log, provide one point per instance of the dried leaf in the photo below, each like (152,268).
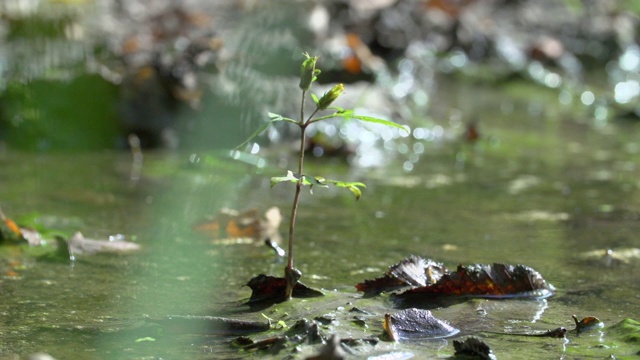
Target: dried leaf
(411,272)
(486,281)
(267,290)
(78,244)
(230,225)
(211,325)
(474,348)
(416,324)
(10,232)
(587,323)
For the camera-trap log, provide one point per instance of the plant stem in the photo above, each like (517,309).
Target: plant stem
(291,280)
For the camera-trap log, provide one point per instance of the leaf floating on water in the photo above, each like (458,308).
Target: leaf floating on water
(229,226)
(268,290)
(474,348)
(416,324)
(611,258)
(78,244)
(485,281)
(411,272)
(10,232)
(210,325)
(588,323)
(427,280)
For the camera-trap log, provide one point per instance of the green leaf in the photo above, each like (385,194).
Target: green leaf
(315,98)
(356,191)
(353,186)
(311,181)
(278,179)
(290,177)
(349,115)
(263,127)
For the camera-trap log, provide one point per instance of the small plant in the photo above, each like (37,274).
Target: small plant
(308,75)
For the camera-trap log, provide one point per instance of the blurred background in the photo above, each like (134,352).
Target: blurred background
(85,74)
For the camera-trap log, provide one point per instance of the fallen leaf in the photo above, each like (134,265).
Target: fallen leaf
(230,224)
(411,272)
(332,350)
(587,323)
(485,281)
(78,244)
(474,348)
(429,283)
(416,324)
(210,325)
(268,290)
(10,232)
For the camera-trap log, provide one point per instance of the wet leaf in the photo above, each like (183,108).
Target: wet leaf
(10,232)
(430,284)
(268,290)
(588,323)
(485,281)
(612,258)
(332,350)
(413,271)
(416,324)
(272,345)
(473,348)
(78,244)
(210,325)
(230,225)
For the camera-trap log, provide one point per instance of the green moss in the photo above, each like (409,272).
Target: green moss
(627,330)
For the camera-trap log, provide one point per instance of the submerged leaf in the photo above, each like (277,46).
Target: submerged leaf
(416,324)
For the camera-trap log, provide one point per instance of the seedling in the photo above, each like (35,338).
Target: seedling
(308,75)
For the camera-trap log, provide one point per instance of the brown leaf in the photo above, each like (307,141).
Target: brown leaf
(410,272)
(267,290)
(211,325)
(231,224)
(488,281)
(587,323)
(474,348)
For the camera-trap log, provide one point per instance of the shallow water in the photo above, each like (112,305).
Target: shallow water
(539,188)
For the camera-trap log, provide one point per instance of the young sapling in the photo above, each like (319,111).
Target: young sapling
(308,75)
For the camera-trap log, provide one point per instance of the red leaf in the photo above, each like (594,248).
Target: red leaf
(410,272)
(493,281)
(427,279)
